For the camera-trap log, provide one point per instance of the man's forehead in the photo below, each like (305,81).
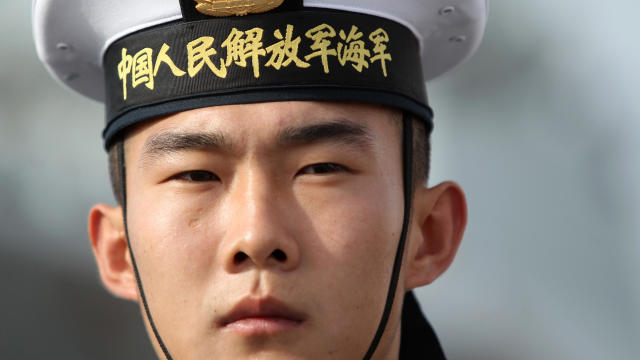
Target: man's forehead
(269,126)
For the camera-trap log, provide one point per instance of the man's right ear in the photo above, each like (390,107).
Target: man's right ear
(109,244)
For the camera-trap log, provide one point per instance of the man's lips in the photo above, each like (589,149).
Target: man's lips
(261,316)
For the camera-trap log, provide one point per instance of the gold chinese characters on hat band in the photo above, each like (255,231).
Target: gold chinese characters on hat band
(221,8)
(242,46)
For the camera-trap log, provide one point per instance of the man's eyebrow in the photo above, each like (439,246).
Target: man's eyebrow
(340,131)
(169,142)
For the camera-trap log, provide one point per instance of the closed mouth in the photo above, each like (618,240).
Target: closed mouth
(261,316)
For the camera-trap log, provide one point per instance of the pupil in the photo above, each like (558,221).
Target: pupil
(200,176)
(324,168)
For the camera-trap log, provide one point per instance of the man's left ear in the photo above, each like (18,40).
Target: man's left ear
(437,225)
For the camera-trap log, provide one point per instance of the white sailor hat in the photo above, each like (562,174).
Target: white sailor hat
(148,58)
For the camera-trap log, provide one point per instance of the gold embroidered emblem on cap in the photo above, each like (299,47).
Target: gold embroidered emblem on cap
(220,8)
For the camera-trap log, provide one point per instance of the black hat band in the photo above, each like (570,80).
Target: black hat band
(310,54)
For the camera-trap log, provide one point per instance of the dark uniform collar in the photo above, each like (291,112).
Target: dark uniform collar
(418,340)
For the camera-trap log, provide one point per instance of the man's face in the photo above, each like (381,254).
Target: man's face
(267,230)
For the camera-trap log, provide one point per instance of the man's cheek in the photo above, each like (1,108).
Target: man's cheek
(357,237)
(161,234)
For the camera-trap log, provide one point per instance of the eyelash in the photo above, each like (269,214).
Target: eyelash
(325,167)
(189,176)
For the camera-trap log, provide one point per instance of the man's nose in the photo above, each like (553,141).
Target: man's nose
(260,232)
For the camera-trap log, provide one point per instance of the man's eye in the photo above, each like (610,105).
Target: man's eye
(196,176)
(321,168)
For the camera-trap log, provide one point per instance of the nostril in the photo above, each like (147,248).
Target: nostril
(279,255)
(239,257)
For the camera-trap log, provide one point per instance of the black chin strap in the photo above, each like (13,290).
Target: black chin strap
(123,183)
(407,182)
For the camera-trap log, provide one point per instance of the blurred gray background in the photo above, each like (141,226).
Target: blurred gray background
(540,128)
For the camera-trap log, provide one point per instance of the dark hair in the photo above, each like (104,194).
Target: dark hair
(421,158)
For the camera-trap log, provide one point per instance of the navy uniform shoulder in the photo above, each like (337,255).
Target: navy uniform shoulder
(418,340)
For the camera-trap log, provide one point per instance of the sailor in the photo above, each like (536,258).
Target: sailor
(270,161)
